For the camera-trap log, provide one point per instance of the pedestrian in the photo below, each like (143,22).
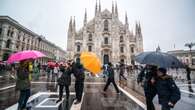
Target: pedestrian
(168,92)
(36,72)
(30,68)
(48,70)
(188,71)
(64,81)
(111,79)
(147,76)
(23,84)
(122,71)
(78,72)
(55,72)
(105,70)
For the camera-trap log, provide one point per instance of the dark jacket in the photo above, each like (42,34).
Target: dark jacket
(110,72)
(146,75)
(65,78)
(167,90)
(22,82)
(78,71)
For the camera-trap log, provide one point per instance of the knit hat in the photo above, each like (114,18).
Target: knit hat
(163,70)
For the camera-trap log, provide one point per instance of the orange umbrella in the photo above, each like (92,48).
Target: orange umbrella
(91,62)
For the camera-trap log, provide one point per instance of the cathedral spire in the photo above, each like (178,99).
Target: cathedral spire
(139,28)
(126,18)
(112,7)
(70,25)
(74,25)
(136,28)
(96,8)
(99,6)
(85,17)
(116,9)
(126,21)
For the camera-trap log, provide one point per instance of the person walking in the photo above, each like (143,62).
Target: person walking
(188,71)
(55,72)
(105,71)
(78,72)
(64,81)
(110,79)
(36,72)
(122,71)
(168,92)
(30,68)
(148,75)
(23,84)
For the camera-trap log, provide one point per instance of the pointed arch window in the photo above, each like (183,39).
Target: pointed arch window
(122,49)
(106,40)
(78,48)
(90,37)
(121,39)
(106,25)
(89,48)
(132,49)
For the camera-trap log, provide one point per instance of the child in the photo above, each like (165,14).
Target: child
(168,92)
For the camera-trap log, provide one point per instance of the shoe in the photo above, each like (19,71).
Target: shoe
(118,93)
(58,100)
(103,92)
(77,102)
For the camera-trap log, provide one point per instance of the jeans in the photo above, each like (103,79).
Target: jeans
(24,95)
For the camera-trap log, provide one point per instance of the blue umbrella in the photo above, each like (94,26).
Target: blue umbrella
(159,59)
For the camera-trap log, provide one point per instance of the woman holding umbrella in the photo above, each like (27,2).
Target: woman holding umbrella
(23,72)
(23,84)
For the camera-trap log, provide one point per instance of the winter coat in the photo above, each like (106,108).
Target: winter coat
(78,71)
(65,78)
(167,90)
(23,81)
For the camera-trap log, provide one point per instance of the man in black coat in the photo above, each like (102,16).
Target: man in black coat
(79,74)
(64,81)
(147,75)
(168,92)
(111,78)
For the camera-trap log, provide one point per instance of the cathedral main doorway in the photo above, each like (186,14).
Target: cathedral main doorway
(106,59)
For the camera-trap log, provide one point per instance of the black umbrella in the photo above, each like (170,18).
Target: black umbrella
(159,59)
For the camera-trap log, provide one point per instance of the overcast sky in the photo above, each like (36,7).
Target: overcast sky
(164,22)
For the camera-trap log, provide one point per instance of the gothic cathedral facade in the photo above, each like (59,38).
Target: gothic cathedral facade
(105,35)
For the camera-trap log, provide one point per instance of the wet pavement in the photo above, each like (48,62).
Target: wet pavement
(93,99)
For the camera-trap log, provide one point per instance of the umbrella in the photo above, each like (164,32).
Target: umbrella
(159,59)
(24,55)
(50,63)
(91,62)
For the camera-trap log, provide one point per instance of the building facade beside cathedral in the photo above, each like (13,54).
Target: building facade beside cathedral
(106,36)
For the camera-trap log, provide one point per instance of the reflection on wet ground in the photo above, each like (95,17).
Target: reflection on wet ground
(10,96)
(48,102)
(94,99)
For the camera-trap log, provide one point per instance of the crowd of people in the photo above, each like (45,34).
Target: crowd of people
(26,69)
(155,80)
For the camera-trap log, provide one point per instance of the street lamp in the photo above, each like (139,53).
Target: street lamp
(190,45)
